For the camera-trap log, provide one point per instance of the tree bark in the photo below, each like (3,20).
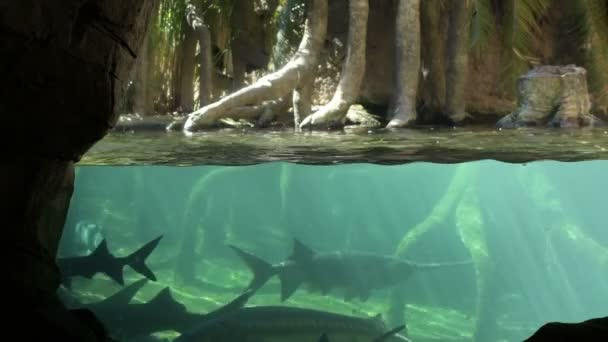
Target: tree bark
(597,54)
(172,96)
(407,60)
(143,98)
(457,59)
(201,34)
(433,20)
(186,93)
(352,72)
(277,84)
(206,69)
(302,99)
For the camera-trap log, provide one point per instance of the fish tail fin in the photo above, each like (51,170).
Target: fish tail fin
(112,266)
(137,259)
(386,336)
(262,270)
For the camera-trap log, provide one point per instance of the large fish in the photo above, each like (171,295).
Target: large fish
(102,261)
(357,274)
(282,324)
(125,320)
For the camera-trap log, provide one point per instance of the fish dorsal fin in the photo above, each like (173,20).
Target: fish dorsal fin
(124,296)
(164,301)
(101,250)
(301,252)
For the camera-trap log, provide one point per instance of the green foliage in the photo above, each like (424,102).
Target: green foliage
(289,19)
(516,22)
(483,26)
(521,28)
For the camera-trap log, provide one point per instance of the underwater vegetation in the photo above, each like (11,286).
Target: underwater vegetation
(273,248)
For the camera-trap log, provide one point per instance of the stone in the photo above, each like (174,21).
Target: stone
(552,96)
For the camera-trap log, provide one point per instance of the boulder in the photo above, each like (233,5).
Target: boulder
(552,96)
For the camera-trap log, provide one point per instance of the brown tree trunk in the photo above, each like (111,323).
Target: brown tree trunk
(457,58)
(197,31)
(278,84)
(186,92)
(206,69)
(407,60)
(334,112)
(238,74)
(171,96)
(432,86)
(597,53)
(143,98)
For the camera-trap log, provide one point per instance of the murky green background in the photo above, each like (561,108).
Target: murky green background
(537,233)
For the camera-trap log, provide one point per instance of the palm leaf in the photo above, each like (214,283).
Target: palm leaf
(521,29)
(483,26)
(290,18)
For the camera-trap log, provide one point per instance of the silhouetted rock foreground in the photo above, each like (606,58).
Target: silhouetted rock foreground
(592,330)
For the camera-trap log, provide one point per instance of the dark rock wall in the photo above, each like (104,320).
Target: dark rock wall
(63,64)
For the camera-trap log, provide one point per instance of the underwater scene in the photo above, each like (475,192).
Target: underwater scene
(476,251)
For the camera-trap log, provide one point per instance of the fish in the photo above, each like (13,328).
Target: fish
(282,324)
(356,273)
(382,338)
(126,321)
(102,261)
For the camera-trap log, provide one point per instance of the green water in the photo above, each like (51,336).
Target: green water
(536,232)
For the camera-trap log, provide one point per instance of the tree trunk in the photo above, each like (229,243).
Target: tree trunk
(407,60)
(278,84)
(457,59)
(433,20)
(206,69)
(238,74)
(352,72)
(302,99)
(171,97)
(597,53)
(186,94)
(143,98)
(201,34)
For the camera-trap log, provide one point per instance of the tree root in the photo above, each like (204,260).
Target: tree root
(407,43)
(334,113)
(275,85)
